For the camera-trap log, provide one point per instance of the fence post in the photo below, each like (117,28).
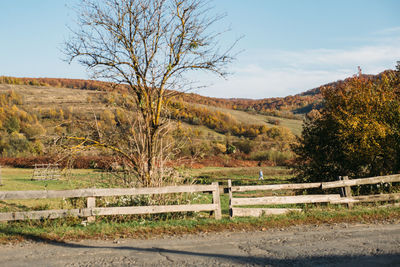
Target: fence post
(230,198)
(91,203)
(347,191)
(217,201)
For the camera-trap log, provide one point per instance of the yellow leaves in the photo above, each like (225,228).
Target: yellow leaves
(220,148)
(121,116)
(108,117)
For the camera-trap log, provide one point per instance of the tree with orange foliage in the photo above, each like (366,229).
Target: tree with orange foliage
(357,133)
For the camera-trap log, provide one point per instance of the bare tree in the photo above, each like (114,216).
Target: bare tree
(149,46)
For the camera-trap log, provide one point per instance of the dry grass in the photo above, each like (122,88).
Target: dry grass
(295,126)
(76,100)
(36,97)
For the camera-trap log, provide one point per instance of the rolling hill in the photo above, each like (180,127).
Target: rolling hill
(35,111)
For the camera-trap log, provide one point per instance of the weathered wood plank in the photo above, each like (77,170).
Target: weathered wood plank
(230,197)
(369,198)
(39,214)
(347,191)
(217,202)
(362,181)
(148,209)
(91,203)
(33,194)
(285,200)
(257,212)
(88,212)
(390,205)
(275,187)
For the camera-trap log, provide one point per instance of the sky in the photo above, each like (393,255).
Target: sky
(287,46)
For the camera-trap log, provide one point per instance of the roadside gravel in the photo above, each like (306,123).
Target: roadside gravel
(326,245)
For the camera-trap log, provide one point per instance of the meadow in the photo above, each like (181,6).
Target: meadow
(18,179)
(168,224)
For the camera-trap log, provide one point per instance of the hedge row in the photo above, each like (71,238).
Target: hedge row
(80,162)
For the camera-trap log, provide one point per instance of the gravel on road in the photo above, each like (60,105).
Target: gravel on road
(326,245)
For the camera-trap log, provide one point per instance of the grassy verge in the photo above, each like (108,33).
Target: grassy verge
(72,228)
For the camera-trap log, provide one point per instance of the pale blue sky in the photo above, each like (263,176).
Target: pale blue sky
(289,46)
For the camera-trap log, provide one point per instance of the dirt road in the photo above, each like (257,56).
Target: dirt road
(344,245)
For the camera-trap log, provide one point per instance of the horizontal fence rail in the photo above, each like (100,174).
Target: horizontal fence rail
(273,187)
(92,210)
(362,181)
(108,192)
(284,200)
(348,199)
(257,212)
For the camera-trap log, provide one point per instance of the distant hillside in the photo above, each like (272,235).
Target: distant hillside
(36,111)
(296,104)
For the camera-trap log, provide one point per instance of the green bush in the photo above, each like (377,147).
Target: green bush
(245,146)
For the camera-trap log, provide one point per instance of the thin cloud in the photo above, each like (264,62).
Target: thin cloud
(371,57)
(254,82)
(295,72)
(389,31)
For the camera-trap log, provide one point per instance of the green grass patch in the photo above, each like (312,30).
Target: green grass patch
(15,179)
(242,175)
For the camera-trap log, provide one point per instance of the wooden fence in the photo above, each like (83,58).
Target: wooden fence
(91,210)
(46,171)
(235,203)
(344,183)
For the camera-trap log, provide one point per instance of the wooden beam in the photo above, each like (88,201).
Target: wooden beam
(230,197)
(257,212)
(370,198)
(285,200)
(36,194)
(347,191)
(216,201)
(87,212)
(275,187)
(148,209)
(91,203)
(362,181)
(36,215)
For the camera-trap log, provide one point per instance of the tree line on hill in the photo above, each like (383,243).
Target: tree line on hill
(278,106)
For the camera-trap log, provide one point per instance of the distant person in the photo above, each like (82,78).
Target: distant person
(261,175)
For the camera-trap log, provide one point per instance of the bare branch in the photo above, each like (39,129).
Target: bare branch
(148,45)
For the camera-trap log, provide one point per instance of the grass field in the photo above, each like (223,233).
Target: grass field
(20,179)
(151,226)
(14,179)
(243,175)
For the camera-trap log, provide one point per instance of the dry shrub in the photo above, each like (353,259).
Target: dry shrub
(78,162)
